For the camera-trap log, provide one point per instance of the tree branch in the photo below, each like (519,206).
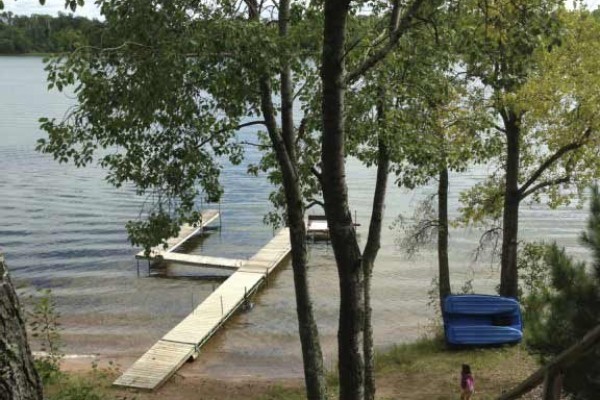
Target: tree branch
(398,25)
(498,127)
(316,173)
(315,203)
(240,126)
(558,181)
(552,159)
(491,235)
(301,130)
(259,145)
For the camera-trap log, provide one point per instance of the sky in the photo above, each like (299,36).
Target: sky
(53,7)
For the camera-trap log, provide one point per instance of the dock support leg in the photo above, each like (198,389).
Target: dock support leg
(220,220)
(138,268)
(267,277)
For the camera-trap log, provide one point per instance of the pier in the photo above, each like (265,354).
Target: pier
(186,339)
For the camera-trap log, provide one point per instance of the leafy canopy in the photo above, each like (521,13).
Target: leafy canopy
(546,82)
(160,106)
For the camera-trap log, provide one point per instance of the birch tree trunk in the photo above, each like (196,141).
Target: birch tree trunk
(18,378)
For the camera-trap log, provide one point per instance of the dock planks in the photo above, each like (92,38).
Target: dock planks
(206,261)
(184,341)
(185,232)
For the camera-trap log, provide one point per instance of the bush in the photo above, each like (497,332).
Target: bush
(78,391)
(561,313)
(44,326)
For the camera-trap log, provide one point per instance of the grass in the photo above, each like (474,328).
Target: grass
(426,369)
(283,393)
(79,387)
(423,369)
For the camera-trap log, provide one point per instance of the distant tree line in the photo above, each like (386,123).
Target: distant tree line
(21,34)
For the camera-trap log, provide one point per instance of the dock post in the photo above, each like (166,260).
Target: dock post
(148,267)
(138,267)
(220,220)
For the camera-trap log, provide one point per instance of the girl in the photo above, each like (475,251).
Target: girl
(467,384)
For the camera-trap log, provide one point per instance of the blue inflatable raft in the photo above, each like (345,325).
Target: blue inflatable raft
(482,320)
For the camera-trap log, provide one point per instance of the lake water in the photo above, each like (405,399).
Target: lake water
(63,228)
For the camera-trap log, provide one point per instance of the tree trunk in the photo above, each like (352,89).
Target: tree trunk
(553,386)
(559,363)
(372,248)
(283,144)
(512,198)
(443,265)
(18,377)
(309,335)
(335,195)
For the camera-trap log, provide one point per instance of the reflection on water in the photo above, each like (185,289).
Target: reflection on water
(63,228)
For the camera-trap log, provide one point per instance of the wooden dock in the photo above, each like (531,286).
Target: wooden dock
(186,232)
(184,341)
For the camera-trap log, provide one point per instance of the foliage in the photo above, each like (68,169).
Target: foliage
(93,385)
(46,34)
(283,393)
(534,275)
(431,120)
(79,390)
(96,385)
(43,321)
(538,61)
(161,110)
(418,231)
(569,307)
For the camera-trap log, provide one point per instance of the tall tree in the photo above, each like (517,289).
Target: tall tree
(347,253)
(508,44)
(433,123)
(18,378)
(284,143)
(164,103)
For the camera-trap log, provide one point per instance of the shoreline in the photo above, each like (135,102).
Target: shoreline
(399,374)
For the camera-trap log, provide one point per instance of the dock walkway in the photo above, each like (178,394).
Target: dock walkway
(185,233)
(184,341)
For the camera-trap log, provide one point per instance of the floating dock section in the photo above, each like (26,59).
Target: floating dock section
(184,341)
(186,232)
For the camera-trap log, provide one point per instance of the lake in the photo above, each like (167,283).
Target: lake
(63,228)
